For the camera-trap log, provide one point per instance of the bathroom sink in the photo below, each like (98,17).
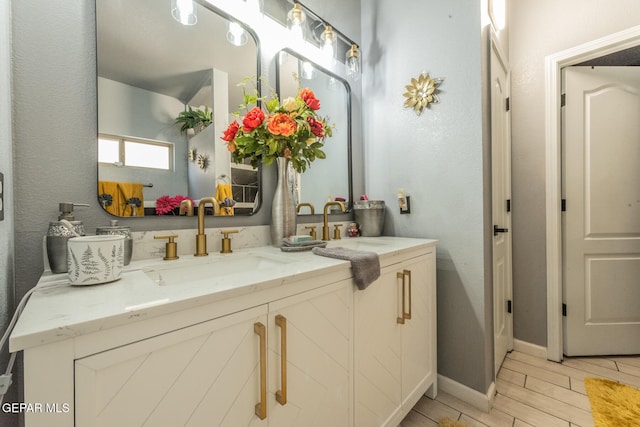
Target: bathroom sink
(211,267)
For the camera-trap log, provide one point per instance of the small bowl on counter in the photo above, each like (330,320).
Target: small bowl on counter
(93,260)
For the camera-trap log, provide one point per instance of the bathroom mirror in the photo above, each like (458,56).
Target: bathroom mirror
(150,68)
(330,178)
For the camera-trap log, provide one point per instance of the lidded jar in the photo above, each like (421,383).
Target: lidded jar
(119,230)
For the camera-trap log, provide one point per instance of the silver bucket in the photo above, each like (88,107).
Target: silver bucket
(369,216)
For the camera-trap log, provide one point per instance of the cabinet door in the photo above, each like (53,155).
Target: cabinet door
(206,374)
(419,331)
(313,332)
(378,352)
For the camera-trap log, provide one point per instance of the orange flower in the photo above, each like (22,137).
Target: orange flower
(310,99)
(282,124)
(231,146)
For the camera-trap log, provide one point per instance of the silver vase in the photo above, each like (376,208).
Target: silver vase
(283,210)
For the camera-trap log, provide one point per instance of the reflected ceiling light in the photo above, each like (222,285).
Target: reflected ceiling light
(236,35)
(295,20)
(184,11)
(308,71)
(329,43)
(353,62)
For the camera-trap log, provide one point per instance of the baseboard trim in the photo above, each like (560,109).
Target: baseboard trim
(484,402)
(529,348)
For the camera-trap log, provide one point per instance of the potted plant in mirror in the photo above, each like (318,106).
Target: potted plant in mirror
(290,132)
(196,119)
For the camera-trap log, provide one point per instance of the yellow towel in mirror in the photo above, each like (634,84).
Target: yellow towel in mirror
(223,191)
(111,189)
(129,190)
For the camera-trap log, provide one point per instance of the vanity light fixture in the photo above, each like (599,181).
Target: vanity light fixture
(353,62)
(236,35)
(184,11)
(295,21)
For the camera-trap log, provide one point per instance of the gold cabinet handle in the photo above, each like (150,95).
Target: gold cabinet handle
(400,319)
(281,395)
(261,407)
(407,273)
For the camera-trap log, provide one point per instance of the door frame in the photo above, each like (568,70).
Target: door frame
(553,89)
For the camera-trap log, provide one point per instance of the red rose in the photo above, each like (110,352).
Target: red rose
(316,127)
(310,99)
(253,119)
(231,131)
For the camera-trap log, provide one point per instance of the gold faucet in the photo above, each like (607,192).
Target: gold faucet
(201,238)
(325,227)
(186,207)
(313,211)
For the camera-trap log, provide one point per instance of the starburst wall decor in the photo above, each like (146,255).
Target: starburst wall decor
(421,92)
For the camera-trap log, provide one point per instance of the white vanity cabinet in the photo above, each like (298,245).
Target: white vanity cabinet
(395,342)
(296,344)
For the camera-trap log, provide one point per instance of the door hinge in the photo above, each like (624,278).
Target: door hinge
(508,103)
(508,205)
(563,99)
(509,306)
(563,205)
(564,309)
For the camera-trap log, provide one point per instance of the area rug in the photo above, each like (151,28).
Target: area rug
(613,404)
(448,422)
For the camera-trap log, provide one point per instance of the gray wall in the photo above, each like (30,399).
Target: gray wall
(538,29)
(6,226)
(438,158)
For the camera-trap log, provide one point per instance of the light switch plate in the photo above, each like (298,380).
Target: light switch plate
(1,197)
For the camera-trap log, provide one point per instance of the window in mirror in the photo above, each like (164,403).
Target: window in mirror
(135,153)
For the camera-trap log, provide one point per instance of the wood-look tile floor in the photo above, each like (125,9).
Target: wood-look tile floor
(533,392)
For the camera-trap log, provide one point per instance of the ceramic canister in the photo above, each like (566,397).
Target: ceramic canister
(115,229)
(95,259)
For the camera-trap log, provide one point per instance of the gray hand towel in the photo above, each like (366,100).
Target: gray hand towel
(365,264)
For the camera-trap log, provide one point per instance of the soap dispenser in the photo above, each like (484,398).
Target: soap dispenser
(115,229)
(58,234)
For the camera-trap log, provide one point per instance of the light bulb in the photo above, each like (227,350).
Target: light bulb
(236,35)
(353,62)
(329,45)
(184,11)
(295,20)
(308,71)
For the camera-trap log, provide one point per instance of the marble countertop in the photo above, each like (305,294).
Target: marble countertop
(153,287)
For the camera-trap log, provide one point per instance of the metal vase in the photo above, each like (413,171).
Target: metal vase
(283,210)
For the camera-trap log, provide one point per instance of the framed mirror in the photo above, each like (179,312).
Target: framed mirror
(166,92)
(330,178)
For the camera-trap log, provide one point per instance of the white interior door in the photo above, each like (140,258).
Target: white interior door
(601,230)
(501,207)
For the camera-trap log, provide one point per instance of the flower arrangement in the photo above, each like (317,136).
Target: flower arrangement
(166,204)
(292,129)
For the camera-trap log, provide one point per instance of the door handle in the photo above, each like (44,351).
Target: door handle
(281,395)
(261,407)
(497,230)
(400,319)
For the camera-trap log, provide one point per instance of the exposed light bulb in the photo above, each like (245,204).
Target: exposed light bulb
(236,35)
(329,45)
(353,62)
(308,71)
(295,20)
(184,11)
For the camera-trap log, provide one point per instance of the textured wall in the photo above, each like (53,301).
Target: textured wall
(437,158)
(538,29)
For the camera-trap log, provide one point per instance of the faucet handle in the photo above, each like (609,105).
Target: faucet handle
(312,231)
(336,231)
(226,241)
(171,247)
